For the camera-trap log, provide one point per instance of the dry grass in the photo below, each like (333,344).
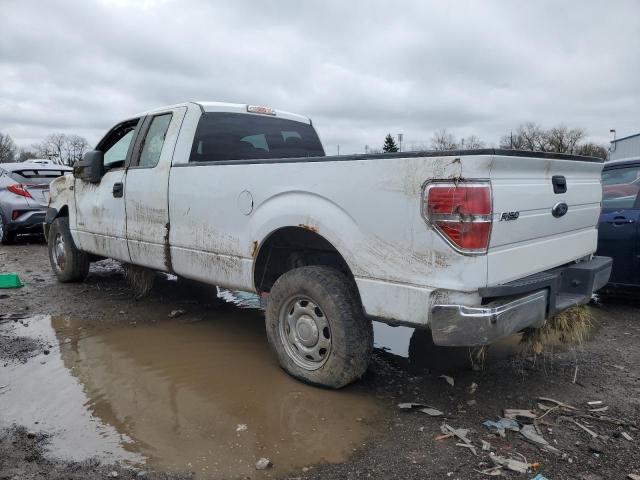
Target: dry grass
(569,327)
(140,279)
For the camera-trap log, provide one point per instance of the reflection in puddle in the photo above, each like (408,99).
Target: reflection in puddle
(175,394)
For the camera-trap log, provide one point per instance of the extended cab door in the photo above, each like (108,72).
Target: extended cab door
(100,224)
(146,193)
(619,233)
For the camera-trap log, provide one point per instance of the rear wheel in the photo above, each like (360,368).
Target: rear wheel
(316,327)
(6,237)
(68,263)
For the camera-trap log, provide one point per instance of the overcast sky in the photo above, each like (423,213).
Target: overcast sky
(359,69)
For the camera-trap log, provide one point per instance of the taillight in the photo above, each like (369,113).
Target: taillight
(461,213)
(19,189)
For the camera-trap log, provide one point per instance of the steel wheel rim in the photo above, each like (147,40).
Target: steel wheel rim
(304,332)
(59,252)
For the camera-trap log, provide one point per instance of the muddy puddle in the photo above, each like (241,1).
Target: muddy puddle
(198,393)
(204,396)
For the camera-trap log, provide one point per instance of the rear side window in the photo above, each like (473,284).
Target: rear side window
(239,136)
(620,187)
(35,176)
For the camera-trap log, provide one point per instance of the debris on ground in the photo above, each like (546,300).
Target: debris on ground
(473,387)
(10,280)
(589,431)
(241,427)
(531,433)
(501,425)
(539,477)
(448,379)
(633,476)
(513,464)
(486,446)
(177,313)
(461,433)
(626,436)
(421,407)
(263,464)
(518,414)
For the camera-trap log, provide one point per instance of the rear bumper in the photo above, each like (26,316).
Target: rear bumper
(27,221)
(514,306)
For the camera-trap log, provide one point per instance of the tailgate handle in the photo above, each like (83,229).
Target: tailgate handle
(559,184)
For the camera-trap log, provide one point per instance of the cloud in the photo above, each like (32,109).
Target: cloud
(360,69)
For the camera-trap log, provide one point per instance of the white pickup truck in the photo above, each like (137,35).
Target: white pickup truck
(475,245)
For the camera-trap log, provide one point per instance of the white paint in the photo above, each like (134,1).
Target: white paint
(369,210)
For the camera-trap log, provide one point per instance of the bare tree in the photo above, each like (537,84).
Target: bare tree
(7,148)
(561,139)
(443,140)
(528,136)
(591,149)
(24,155)
(74,148)
(471,142)
(61,148)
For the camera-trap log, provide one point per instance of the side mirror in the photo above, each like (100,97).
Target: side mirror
(90,168)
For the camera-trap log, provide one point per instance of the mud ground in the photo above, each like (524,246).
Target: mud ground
(92,343)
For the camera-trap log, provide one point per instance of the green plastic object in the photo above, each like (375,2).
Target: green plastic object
(10,280)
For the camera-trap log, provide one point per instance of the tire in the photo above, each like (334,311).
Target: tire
(316,327)
(68,263)
(6,237)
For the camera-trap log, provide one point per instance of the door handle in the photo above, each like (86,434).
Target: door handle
(620,221)
(118,189)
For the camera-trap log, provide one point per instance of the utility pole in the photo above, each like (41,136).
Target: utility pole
(400,137)
(338,149)
(511,141)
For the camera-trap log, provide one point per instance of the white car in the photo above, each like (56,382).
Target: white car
(474,245)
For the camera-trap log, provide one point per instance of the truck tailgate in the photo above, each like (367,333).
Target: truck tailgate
(527,237)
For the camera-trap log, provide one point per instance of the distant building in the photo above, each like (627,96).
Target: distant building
(625,147)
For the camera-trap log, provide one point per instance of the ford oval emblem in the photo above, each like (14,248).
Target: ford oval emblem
(559,210)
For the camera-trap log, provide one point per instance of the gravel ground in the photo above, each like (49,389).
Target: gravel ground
(403,444)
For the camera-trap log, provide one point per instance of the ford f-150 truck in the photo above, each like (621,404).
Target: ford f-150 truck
(475,245)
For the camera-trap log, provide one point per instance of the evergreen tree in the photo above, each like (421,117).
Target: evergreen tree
(389,144)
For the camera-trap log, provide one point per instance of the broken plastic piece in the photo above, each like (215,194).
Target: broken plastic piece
(10,280)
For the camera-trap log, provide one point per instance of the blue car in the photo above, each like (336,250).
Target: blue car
(619,230)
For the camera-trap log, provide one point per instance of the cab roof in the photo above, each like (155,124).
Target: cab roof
(209,106)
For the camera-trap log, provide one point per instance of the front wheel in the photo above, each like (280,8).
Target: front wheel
(68,263)
(316,327)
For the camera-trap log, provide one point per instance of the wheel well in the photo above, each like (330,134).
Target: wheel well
(64,212)
(293,247)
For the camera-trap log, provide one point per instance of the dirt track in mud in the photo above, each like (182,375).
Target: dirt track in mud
(94,383)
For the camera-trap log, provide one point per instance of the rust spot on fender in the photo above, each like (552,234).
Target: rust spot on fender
(309,227)
(254,248)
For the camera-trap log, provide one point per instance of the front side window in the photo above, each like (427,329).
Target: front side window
(154,140)
(239,136)
(620,187)
(116,144)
